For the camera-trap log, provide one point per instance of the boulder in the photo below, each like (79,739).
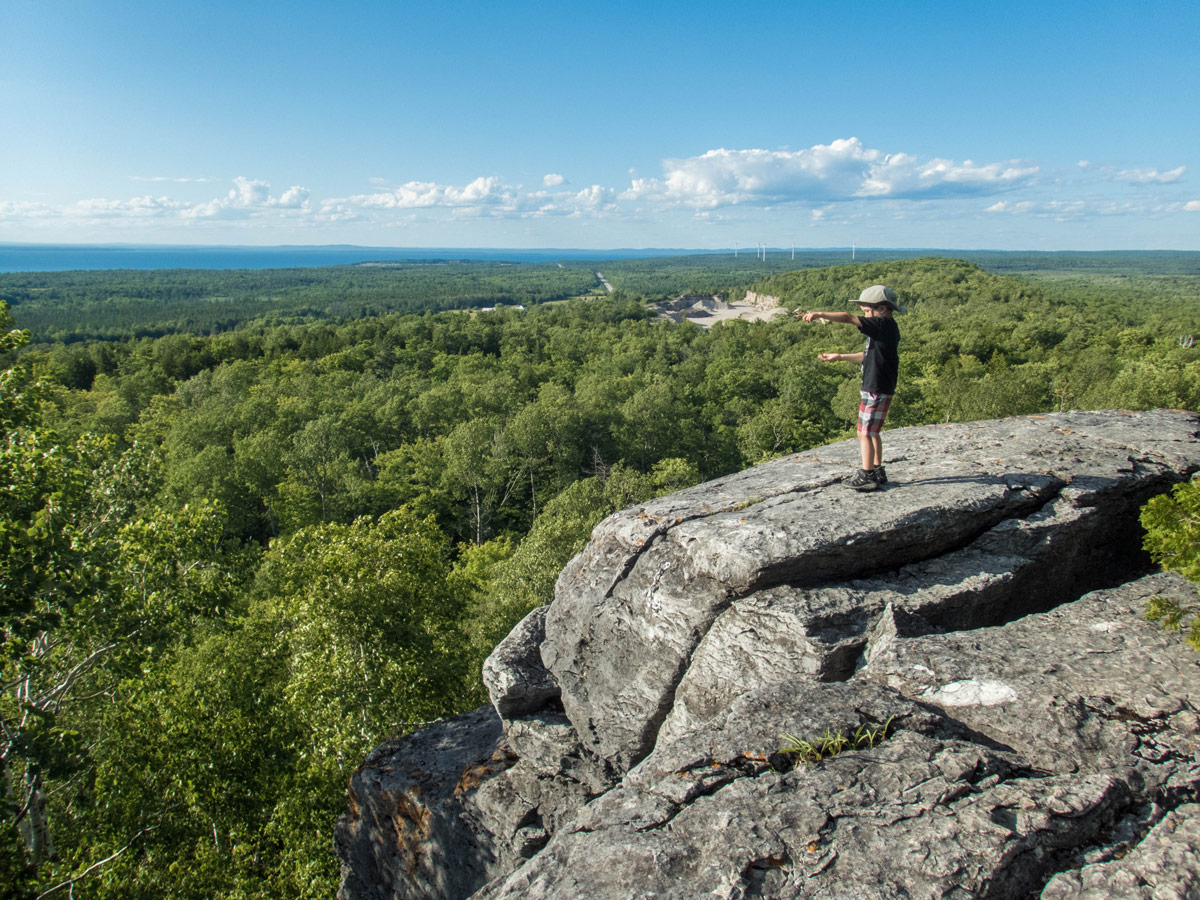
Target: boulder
(446,809)
(516,680)
(987,767)
(919,814)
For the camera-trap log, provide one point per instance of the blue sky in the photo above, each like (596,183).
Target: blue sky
(602,124)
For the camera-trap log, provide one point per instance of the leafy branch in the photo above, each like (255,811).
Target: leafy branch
(1172,523)
(71,882)
(1172,614)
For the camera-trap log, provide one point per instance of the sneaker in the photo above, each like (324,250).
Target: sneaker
(880,475)
(862,480)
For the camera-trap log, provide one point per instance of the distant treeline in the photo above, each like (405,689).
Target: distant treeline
(122,303)
(77,306)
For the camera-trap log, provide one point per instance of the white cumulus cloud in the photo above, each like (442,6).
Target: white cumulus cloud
(844,169)
(592,200)
(484,196)
(1150,176)
(830,183)
(295,197)
(17,210)
(901,175)
(1064,210)
(135,207)
(482,191)
(248,197)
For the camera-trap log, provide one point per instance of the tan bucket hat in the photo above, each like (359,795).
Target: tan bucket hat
(877,294)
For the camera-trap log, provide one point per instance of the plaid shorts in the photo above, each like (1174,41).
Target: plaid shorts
(872,410)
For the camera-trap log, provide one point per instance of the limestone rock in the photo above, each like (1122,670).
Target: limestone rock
(516,680)
(1032,728)
(405,833)
(920,814)
(983,522)
(444,810)
(1109,692)
(1015,567)
(991,774)
(1164,866)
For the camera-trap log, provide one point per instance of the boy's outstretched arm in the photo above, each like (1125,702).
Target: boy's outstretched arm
(843,317)
(841,357)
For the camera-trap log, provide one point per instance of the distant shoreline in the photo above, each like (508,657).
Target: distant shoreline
(89,257)
(58,257)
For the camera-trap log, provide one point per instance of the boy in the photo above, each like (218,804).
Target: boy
(880,366)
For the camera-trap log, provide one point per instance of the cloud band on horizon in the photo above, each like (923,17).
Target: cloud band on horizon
(842,173)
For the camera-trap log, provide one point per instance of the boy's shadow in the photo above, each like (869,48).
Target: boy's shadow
(1010,478)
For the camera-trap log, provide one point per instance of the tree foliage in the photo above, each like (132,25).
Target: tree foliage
(1172,523)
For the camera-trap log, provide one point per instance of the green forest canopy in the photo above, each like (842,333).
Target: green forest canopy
(237,526)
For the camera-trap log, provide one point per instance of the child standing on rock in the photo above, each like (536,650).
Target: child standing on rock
(880,367)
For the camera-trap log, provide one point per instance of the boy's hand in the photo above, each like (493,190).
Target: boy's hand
(808,316)
(828,357)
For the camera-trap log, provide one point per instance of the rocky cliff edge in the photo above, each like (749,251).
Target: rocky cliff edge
(963,650)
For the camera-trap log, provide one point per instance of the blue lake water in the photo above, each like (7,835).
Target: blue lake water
(67,257)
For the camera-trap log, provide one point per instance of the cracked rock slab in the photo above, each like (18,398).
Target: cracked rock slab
(1164,866)
(639,749)
(1018,566)
(920,814)
(631,611)
(1090,685)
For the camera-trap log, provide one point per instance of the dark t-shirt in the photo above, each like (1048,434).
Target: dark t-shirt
(881,359)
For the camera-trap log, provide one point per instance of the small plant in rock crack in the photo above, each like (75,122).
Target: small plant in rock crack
(752,500)
(832,743)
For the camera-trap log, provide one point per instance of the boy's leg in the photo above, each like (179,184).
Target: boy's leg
(870,417)
(871,414)
(879,473)
(866,451)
